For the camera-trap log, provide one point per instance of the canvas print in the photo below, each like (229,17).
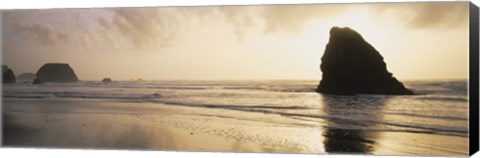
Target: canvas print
(365,78)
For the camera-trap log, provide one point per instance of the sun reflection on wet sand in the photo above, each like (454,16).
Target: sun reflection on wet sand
(372,140)
(338,140)
(67,124)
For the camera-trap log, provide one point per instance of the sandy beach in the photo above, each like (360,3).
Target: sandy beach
(128,125)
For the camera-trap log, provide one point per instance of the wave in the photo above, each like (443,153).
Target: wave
(429,116)
(444,98)
(83,95)
(274,88)
(365,123)
(286,99)
(348,121)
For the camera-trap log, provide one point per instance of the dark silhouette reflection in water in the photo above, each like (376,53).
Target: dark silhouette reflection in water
(348,119)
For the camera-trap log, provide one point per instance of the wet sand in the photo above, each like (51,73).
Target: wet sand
(126,125)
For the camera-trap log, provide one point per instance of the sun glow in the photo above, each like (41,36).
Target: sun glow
(307,46)
(364,22)
(359,19)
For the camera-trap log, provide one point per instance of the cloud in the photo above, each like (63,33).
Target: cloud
(241,18)
(6,49)
(271,18)
(75,23)
(152,29)
(292,18)
(145,28)
(440,14)
(42,33)
(424,15)
(88,39)
(275,18)
(104,23)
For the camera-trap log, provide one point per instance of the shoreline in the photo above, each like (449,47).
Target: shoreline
(139,126)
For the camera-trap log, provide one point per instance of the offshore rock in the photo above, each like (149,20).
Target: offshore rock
(56,72)
(8,75)
(350,65)
(107,80)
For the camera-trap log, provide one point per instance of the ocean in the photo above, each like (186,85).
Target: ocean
(441,107)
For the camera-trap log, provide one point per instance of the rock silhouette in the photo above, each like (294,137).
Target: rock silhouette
(350,65)
(107,80)
(26,77)
(56,72)
(36,81)
(8,75)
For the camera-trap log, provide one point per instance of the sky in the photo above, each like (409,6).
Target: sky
(417,40)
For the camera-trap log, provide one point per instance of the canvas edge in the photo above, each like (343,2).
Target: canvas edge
(473,79)
(1,85)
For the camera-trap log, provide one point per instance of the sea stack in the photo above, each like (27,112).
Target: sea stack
(350,65)
(107,80)
(56,72)
(8,75)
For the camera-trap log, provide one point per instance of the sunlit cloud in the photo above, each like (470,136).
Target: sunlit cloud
(255,33)
(147,28)
(42,33)
(424,15)
(140,29)
(292,18)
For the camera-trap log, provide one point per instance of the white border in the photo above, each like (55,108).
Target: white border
(46,4)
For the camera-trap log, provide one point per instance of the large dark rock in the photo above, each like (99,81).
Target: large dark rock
(56,72)
(26,77)
(8,75)
(350,65)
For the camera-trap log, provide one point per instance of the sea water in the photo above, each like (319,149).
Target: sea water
(440,107)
